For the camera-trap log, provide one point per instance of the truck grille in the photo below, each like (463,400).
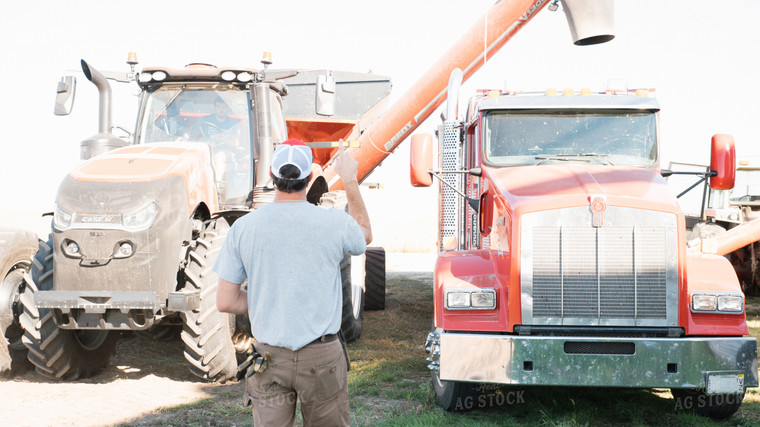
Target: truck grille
(623,273)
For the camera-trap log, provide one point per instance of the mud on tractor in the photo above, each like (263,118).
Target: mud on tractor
(138,224)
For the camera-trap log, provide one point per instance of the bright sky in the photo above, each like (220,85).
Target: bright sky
(701,56)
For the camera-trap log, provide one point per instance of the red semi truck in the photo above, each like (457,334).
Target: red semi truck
(563,258)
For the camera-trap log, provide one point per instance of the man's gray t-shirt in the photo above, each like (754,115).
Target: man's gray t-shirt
(290,253)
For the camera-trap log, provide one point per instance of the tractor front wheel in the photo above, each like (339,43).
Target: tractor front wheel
(64,354)
(208,333)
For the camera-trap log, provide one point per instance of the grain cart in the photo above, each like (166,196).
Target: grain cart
(138,225)
(563,258)
(16,250)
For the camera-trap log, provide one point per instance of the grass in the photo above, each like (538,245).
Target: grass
(389,384)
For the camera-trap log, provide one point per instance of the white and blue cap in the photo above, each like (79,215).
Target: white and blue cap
(292,152)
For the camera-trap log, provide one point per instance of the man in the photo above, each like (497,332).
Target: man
(290,251)
(217,122)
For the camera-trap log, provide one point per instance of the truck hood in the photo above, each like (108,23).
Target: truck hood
(544,187)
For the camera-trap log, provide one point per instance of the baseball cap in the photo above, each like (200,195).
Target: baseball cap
(292,152)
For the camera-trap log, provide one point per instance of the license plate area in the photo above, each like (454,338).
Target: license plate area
(725,382)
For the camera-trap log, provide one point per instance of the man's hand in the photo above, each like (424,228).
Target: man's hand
(345,166)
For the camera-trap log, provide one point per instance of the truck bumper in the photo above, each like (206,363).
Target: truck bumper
(717,364)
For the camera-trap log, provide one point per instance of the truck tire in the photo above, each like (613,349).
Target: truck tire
(374,281)
(207,333)
(352,277)
(16,250)
(454,396)
(61,354)
(718,406)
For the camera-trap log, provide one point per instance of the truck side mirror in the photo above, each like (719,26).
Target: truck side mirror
(64,97)
(325,101)
(723,162)
(421,160)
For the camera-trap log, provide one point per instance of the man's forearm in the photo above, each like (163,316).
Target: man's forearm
(357,209)
(230,298)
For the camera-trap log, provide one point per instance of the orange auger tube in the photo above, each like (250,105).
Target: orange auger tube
(502,21)
(733,239)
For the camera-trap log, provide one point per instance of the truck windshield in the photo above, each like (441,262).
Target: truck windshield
(614,137)
(219,118)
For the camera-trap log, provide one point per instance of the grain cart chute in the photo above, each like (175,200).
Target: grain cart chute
(138,225)
(590,22)
(563,258)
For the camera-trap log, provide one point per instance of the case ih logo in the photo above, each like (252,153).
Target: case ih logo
(598,206)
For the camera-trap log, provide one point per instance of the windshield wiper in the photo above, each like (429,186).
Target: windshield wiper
(169,104)
(571,157)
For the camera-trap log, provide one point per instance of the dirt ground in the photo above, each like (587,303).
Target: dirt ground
(144,375)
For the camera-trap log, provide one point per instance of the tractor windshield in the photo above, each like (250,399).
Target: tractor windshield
(219,118)
(613,137)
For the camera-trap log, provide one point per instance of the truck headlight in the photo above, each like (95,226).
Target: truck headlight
(471,299)
(61,218)
(732,303)
(717,302)
(702,302)
(140,219)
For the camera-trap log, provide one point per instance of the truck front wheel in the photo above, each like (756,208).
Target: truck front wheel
(716,406)
(63,354)
(454,396)
(207,333)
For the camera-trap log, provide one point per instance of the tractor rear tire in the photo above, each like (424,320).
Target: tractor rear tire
(353,302)
(374,282)
(207,333)
(60,354)
(16,250)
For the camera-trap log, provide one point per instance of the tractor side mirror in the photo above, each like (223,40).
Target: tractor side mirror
(64,97)
(325,101)
(723,162)
(421,160)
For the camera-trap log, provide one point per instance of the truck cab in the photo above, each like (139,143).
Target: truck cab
(563,258)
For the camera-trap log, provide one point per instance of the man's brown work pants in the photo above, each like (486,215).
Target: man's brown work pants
(316,375)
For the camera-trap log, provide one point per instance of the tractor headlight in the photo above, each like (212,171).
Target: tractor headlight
(61,218)
(140,219)
(471,299)
(717,302)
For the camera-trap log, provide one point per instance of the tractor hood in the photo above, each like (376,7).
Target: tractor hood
(122,176)
(533,188)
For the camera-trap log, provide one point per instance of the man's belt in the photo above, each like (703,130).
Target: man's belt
(325,338)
